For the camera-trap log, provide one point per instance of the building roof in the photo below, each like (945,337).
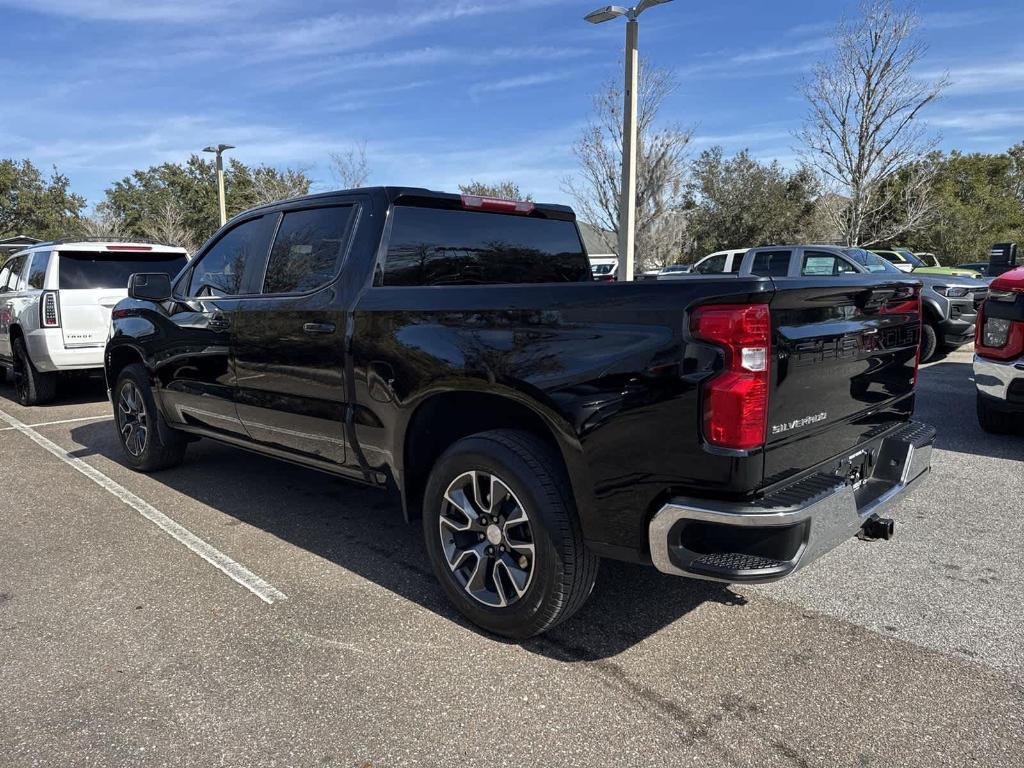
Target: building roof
(598,242)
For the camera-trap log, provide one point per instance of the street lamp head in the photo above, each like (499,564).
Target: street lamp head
(643,5)
(607,13)
(218,149)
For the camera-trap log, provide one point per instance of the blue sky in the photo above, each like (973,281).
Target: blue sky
(440,91)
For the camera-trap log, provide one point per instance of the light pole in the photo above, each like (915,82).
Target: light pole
(627,200)
(219,150)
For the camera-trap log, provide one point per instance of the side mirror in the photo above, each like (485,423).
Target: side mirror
(149,287)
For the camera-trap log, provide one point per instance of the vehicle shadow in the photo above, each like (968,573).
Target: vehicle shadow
(362,530)
(946,400)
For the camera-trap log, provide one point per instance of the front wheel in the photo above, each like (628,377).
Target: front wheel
(147,443)
(929,341)
(502,534)
(991,420)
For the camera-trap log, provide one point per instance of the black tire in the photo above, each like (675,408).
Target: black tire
(992,420)
(147,443)
(929,341)
(562,572)
(32,387)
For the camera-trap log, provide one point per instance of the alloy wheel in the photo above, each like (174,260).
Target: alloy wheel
(487,539)
(132,419)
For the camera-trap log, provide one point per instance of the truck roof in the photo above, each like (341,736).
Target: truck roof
(426,197)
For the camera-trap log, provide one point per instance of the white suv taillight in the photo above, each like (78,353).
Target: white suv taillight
(49,310)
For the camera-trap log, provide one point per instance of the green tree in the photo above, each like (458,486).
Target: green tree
(739,202)
(31,204)
(977,203)
(141,202)
(506,190)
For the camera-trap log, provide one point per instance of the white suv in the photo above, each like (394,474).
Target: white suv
(55,302)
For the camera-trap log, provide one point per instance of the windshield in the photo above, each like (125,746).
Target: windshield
(910,258)
(872,262)
(602,269)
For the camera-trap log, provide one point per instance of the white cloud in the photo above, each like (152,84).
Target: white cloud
(524,81)
(977,121)
(1002,76)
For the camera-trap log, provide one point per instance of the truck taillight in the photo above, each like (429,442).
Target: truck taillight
(49,310)
(736,400)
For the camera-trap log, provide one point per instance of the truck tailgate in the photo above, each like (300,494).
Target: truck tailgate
(844,366)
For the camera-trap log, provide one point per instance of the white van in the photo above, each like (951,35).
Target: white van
(55,303)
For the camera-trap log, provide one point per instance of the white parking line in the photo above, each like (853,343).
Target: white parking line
(239,573)
(62,421)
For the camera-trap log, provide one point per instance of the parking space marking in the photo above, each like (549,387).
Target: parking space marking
(265,591)
(107,417)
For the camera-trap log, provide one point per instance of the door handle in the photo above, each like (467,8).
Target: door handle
(316,329)
(218,323)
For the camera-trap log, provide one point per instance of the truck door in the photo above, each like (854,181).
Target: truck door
(194,362)
(288,344)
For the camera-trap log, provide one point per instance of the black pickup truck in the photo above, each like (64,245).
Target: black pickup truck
(456,349)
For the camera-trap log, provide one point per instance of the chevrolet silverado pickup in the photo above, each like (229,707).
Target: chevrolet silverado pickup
(457,350)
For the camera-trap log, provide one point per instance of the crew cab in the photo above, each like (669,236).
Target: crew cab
(949,303)
(999,356)
(55,302)
(457,350)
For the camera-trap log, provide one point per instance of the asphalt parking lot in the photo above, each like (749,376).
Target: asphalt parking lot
(120,645)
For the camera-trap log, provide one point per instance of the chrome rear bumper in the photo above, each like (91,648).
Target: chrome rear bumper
(767,539)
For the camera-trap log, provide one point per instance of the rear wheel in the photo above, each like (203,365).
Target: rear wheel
(929,341)
(32,387)
(502,534)
(992,420)
(147,442)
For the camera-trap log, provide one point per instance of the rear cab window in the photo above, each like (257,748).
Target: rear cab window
(440,246)
(83,270)
(771,263)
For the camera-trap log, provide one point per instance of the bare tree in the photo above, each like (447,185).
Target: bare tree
(661,169)
(505,190)
(862,131)
(104,224)
(167,225)
(350,168)
(270,185)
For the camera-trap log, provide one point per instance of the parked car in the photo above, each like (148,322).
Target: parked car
(949,303)
(55,302)
(604,269)
(999,355)
(674,269)
(905,261)
(457,350)
(981,267)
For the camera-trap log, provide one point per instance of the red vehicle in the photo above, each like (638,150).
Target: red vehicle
(999,355)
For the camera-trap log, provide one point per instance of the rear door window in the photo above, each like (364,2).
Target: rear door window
(817,263)
(99,269)
(771,263)
(308,249)
(434,246)
(234,264)
(15,281)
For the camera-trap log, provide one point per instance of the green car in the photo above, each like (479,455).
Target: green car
(905,261)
